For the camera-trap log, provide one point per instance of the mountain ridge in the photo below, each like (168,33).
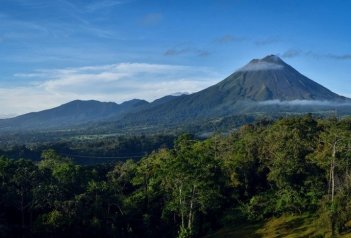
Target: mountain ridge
(261,80)
(72,113)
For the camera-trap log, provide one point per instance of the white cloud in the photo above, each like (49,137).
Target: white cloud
(151,19)
(114,82)
(304,103)
(4,116)
(261,65)
(102,5)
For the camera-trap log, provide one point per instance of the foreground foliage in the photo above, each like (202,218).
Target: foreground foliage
(288,168)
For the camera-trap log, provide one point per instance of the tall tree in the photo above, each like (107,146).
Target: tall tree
(190,177)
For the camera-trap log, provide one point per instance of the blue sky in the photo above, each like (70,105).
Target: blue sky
(115,50)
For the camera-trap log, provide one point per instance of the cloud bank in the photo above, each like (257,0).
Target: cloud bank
(114,82)
(305,103)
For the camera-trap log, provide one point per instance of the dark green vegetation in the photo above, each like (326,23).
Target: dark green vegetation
(264,180)
(87,150)
(267,86)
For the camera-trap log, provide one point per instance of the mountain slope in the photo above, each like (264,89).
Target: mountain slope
(71,114)
(260,80)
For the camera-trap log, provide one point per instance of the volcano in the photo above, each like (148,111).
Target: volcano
(271,78)
(247,90)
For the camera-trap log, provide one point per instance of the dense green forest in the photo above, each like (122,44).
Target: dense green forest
(88,150)
(293,166)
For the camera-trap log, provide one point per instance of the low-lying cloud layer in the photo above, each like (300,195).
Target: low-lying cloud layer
(114,82)
(306,103)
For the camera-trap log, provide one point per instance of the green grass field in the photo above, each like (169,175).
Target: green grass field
(286,226)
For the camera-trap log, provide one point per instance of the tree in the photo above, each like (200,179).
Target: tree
(333,155)
(241,161)
(26,177)
(189,177)
(286,150)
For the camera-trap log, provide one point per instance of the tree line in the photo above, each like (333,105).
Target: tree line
(295,165)
(91,150)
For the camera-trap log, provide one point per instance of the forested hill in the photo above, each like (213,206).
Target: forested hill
(294,167)
(69,115)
